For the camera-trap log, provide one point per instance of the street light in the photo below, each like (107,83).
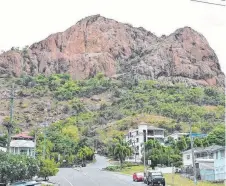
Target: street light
(144,132)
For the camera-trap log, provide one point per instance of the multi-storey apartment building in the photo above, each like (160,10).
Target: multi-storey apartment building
(144,132)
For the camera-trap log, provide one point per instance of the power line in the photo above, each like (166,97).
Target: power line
(205,2)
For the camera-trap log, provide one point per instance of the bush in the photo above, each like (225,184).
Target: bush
(48,167)
(113,168)
(16,167)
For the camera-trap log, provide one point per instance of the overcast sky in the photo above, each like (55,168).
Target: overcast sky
(24,22)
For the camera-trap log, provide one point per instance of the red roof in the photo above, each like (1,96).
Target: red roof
(23,135)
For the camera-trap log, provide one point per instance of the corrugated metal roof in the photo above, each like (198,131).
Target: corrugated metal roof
(155,128)
(206,149)
(150,126)
(22,143)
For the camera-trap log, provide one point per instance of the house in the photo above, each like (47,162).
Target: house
(196,135)
(144,132)
(205,169)
(209,162)
(199,152)
(176,136)
(219,163)
(22,144)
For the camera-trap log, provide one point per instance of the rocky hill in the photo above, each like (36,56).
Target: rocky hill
(97,44)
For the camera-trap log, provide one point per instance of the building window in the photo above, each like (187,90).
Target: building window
(188,157)
(137,132)
(137,140)
(203,154)
(22,151)
(216,155)
(150,133)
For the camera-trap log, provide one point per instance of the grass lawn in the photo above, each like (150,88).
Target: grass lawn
(178,180)
(133,169)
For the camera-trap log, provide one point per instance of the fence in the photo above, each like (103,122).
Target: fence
(204,174)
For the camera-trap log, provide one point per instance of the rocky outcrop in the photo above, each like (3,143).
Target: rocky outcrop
(97,44)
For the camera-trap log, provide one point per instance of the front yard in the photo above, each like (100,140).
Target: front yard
(171,179)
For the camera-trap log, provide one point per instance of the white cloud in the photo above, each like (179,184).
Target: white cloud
(27,21)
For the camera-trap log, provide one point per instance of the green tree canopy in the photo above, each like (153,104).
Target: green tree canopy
(48,167)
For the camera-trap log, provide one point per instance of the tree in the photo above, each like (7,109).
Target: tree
(198,142)
(121,151)
(85,153)
(48,167)
(181,144)
(3,140)
(217,136)
(16,167)
(72,132)
(164,155)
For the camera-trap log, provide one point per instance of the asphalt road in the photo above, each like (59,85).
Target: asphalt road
(92,175)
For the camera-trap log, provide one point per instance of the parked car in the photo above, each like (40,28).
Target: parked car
(138,176)
(83,165)
(155,178)
(26,183)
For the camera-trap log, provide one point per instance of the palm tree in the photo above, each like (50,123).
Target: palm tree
(122,150)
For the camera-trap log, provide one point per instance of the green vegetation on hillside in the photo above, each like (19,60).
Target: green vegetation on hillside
(119,106)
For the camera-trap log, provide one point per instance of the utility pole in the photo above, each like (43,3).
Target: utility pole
(193,157)
(173,174)
(44,146)
(35,143)
(9,125)
(144,133)
(144,159)
(46,123)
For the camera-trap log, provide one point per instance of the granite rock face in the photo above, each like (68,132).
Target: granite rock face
(97,44)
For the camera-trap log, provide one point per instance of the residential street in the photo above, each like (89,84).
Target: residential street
(92,175)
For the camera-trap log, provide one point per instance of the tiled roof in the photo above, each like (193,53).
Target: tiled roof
(23,135)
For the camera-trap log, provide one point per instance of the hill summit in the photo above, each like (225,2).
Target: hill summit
(97,44)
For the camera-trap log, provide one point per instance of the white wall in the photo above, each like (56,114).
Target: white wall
(164,170)
(3,149)
(187,162)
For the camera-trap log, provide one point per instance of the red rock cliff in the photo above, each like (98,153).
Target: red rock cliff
(97,44)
